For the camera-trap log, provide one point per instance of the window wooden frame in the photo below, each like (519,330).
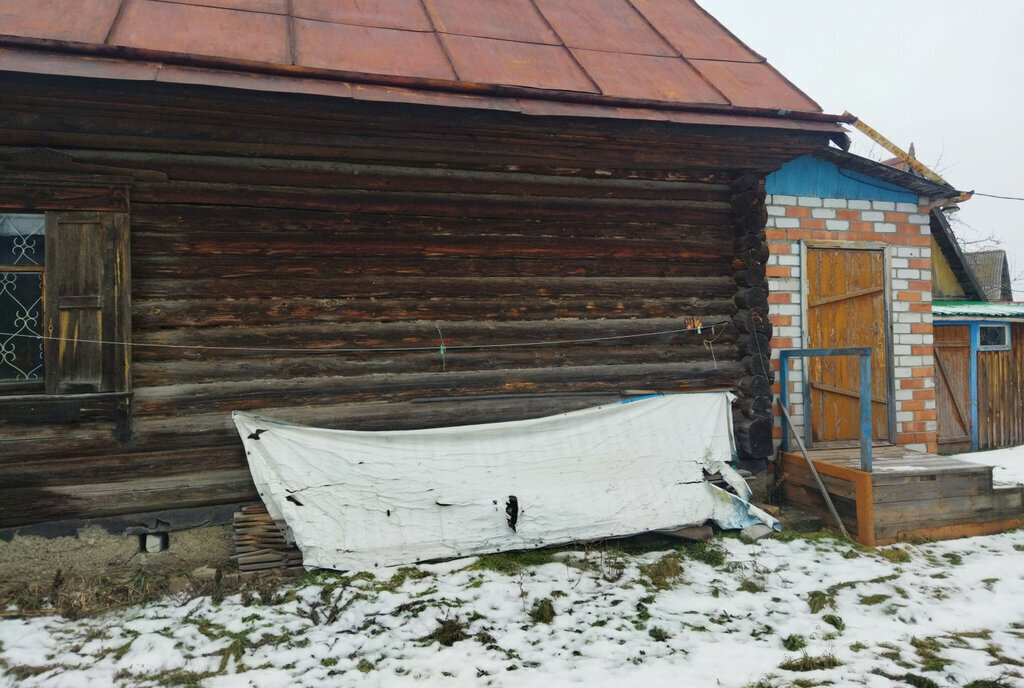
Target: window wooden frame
(1005,327)
(89,220)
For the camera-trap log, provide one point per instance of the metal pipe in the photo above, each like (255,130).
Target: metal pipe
(817,478)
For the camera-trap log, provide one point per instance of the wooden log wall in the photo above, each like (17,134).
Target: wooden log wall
(1001,394)
(749,216)
(264,229)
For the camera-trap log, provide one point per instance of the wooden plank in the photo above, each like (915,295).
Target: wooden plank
(950,531)
(933,487)
(838,315)
(43,409)
(810,499)
(793,472)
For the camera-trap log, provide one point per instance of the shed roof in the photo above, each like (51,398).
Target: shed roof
(993,272)
(888,173)
(977,309)
(599,56)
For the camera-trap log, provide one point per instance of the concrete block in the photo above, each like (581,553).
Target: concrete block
(703,533)
(756,532)
(800,520)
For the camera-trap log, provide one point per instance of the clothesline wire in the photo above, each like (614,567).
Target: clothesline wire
(385,349)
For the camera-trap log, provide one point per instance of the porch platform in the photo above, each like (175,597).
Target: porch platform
(908,494)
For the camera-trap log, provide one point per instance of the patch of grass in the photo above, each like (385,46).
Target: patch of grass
(953,558)
(896,555)
(447,633)
(808,662)
(918,681)
(24,671)
(817,601)
(543,611)
(794,642)
(659,634)
(365,666)
(987,683)
(512,563)
(664,571)
(182,678)
(834,621)
(858,646)
(989,583)
(996,652)
(873,599)
(750,585)
(928,650)
(710,553)
(400,576)
(1019,548)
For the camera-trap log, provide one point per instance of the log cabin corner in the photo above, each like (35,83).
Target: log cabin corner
(297,206)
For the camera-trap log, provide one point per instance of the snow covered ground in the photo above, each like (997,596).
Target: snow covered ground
(790,611)
(814,611)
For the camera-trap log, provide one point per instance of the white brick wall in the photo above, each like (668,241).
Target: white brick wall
(903,227)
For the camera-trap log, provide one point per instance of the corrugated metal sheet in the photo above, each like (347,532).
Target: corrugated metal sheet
(993,273)
(661,54)
(977,309)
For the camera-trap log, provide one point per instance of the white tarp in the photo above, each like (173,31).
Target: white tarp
(359,500)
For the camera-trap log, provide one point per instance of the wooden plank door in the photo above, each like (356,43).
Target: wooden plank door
(846,307)
(953,386)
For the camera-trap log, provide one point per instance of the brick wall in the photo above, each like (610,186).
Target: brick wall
(903,228)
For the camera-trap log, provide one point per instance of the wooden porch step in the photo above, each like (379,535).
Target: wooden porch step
(908,495)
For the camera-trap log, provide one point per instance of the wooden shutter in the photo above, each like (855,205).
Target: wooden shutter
(86,300)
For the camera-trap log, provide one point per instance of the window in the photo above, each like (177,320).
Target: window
(65,312)
(994,337)
(22,260)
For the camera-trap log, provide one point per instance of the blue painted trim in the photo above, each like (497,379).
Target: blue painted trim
(975,341)
(646,396)
(864,352)
(811,176)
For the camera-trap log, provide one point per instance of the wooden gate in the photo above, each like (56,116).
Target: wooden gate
(846,307)
(953,386)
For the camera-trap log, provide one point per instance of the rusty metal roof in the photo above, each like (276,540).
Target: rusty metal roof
(600,56)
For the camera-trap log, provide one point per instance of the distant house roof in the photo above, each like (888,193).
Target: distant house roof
(993,272)
(659,59)
(974,309)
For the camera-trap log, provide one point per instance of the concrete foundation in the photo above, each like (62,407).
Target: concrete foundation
(94,551)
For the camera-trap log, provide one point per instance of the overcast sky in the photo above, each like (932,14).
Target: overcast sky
(946,75)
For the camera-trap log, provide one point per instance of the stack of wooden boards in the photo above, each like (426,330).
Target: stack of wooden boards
(259,543)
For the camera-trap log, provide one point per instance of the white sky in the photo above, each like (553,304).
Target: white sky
(947,75)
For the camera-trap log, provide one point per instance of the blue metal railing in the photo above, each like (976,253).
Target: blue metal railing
(864,352)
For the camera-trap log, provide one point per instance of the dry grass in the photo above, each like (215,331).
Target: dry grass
(79,596)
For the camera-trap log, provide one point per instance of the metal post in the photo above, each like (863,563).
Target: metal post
(865,412)
(864,353)
(784,394)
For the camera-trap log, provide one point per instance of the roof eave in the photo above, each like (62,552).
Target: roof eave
(923,187)
(94,54)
